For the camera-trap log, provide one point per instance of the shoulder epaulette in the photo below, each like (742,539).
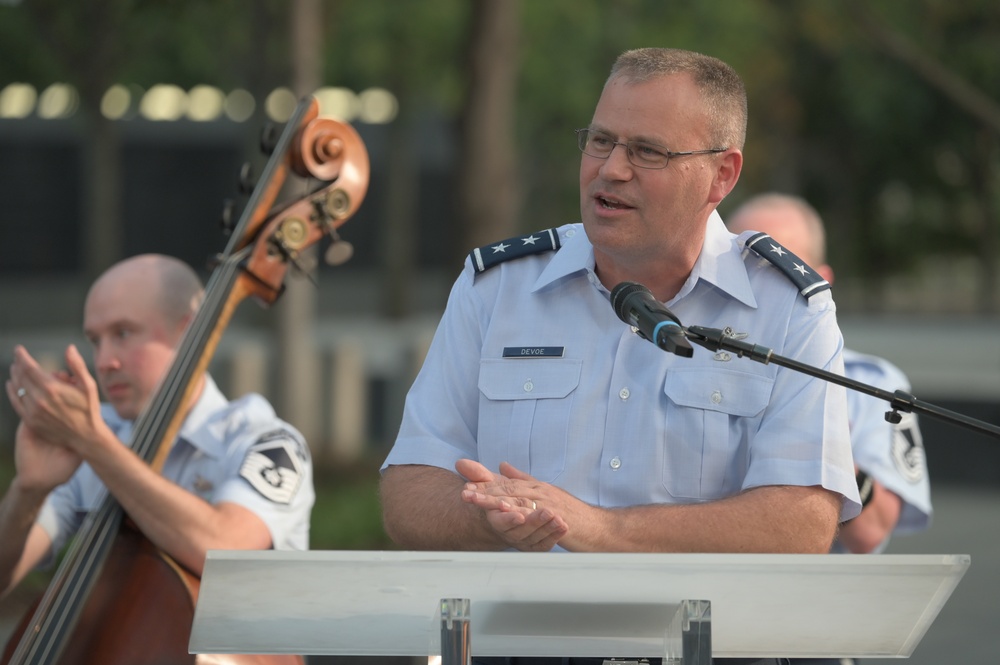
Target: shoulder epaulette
(805,278)
(484,258)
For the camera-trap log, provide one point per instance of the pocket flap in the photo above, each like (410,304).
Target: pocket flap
(535,378)
(727,391)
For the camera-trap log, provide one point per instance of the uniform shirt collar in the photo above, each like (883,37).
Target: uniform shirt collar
(198,429)
(195,430)
(575,255)
(718,264)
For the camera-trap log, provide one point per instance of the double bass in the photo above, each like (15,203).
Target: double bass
(116,598)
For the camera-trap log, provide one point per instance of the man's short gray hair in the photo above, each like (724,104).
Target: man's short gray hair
(721,87)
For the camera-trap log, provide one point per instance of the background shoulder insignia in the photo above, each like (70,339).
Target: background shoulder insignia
(484,258)
(805,278)
(273,468)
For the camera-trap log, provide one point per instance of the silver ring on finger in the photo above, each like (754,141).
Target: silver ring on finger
(21,392)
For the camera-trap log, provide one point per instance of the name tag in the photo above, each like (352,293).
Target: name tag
(533,351)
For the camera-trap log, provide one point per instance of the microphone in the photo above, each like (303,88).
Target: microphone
(638,307)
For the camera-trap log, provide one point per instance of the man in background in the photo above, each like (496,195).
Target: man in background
(890,460)
(237,477)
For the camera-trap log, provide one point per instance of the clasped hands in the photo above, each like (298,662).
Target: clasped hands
(525,513)
(59,412)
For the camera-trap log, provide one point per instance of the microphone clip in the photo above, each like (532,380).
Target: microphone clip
(714,339)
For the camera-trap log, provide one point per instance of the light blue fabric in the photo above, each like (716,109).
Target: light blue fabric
(891,454)
(615,420)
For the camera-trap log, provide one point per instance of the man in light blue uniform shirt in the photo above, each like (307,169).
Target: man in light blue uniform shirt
(604,414)
(237,452)
(540,420)
(237,477)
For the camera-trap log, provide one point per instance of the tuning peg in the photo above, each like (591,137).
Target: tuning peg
(306,263)
(226,220)
(247,181)
(338,253)
(269,136)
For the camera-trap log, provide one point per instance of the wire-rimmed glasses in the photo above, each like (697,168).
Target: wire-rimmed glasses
(600,144)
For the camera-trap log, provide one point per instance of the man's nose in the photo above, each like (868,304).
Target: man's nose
(105,357)
(617,165)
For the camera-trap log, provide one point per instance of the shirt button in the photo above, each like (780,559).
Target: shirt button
(716,397)
(615,463)
(624,393)
(570,233)
(528,386)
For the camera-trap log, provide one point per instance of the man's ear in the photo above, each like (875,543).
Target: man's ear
(728,172)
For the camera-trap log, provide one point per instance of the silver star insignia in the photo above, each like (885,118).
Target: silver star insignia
(777,249)
(500,248)
(801,269)
(530,240)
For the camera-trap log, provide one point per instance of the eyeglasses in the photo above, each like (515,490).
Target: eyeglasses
(644,155)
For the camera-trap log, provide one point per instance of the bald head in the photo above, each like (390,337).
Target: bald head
(171,286)
(134,318)
(788,219)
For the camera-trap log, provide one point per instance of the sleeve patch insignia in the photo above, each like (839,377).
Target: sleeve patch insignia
(908,449)
(272,467)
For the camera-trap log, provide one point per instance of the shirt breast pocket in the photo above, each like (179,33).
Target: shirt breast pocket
(709,414)
(524,413)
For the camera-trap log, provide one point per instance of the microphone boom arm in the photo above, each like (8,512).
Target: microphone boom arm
(714,339)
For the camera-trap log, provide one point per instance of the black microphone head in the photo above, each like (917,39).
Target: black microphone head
(620,295)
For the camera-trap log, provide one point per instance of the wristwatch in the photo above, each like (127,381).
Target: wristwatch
(865,486)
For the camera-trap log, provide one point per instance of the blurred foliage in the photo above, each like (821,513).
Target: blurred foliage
(901,170)
(347,514)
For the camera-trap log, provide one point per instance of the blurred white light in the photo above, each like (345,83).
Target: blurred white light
(338,103)
(116,102)
(58,101)
(17,100)
(280,104)
(378,106)
(239,105)
(205,102)
(164,101)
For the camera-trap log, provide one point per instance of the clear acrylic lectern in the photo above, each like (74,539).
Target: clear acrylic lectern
(684,607)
